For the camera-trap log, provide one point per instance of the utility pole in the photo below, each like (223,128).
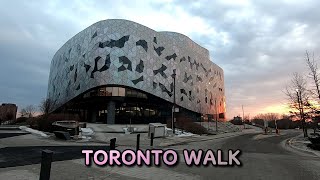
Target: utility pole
(174,100)
(244,124)
(215,106)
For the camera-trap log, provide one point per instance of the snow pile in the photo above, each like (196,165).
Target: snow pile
(129,130)
(86,137)
(181,133)
(86,132)
(33,131)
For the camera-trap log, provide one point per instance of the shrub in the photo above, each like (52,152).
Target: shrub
(236,122)
(44,122)
(33,122)
(21,120)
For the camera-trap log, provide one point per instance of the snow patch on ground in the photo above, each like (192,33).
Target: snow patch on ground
(179,132)
(86,132)
(33,131)
(128,130)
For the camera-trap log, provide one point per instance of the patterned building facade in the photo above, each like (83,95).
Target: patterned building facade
(116,66)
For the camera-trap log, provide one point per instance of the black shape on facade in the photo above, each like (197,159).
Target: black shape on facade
(87,66)
(143,44)
(122,68)
(125,61)
(114,43)
(94,35)
(173,56)
(187,78)
(183,59)
(199,79)
(136,81)
(158,50)
(106,65)
(161,71)
(65,58)
(75,75)
(140,67)
(154,84)
(164,89)
(95,69)
(183,91)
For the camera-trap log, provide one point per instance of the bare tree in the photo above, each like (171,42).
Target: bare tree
(272,116)
(314,74)
(298,96)
(46,106)
(29,111)
(268,116)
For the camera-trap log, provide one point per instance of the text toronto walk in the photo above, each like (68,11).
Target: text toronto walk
(157,157)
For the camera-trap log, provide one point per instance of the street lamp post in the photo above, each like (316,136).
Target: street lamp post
(174,100)
(216,112)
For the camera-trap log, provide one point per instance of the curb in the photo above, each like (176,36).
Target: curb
(9,128)
(290,143)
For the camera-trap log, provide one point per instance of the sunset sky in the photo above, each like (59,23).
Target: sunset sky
(259,44)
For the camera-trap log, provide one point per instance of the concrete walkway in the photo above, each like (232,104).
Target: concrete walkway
(301,143)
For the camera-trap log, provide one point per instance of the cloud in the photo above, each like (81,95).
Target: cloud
(257,43)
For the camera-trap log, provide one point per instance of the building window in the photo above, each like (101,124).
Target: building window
(122,92)
(108,91)
(115,91)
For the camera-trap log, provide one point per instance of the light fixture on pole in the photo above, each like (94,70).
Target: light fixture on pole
(208,112)
(216,112)
(174,100)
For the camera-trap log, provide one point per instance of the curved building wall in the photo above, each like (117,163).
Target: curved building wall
(121,52)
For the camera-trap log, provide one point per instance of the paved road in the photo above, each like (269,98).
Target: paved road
(21,155)
(263,157)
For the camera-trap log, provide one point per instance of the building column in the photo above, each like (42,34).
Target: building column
(111,108)
(92,115)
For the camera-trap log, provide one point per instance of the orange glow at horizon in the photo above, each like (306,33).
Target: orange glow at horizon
(276,108)
(279,108)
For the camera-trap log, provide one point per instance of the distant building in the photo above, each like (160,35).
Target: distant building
(8,111)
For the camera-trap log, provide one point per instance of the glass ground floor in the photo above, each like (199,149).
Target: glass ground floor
(123,105)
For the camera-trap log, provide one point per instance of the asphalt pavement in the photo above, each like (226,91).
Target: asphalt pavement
(262,157)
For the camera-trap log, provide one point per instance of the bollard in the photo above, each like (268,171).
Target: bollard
(151,140)
(138,142)
(46,159)
(113,143)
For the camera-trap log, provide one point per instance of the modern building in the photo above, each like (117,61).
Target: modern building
(116,70)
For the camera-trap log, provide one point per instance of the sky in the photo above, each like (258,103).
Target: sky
(259,44)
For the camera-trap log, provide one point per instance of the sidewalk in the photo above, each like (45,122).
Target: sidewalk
(301,144)
(129,140)
(171,141)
